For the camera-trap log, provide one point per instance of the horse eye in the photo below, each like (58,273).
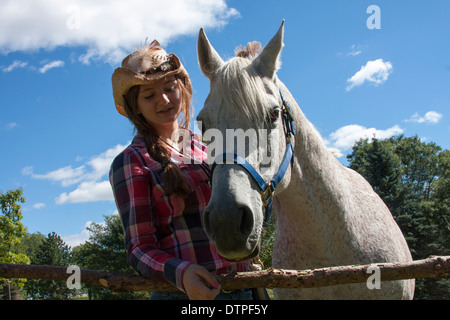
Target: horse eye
(274,114)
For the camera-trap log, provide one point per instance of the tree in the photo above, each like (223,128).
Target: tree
(52,251)
(11,232)
(419,162)
(380,165)
(436,209)
(30,244)
(420,173)
(412,177)
(441,197)
(106,251)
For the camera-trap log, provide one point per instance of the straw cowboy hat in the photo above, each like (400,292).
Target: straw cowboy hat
(143,67)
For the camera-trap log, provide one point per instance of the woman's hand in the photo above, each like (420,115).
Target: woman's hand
(200,284)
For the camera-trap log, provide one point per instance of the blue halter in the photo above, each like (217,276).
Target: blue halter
(267,189)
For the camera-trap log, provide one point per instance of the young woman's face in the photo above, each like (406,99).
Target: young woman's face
(160,103)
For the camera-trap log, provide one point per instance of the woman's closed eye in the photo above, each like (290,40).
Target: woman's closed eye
(171,89)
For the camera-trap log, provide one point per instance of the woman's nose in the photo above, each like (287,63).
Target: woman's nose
(163,99)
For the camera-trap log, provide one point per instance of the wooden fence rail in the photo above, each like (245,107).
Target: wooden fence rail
(433,267)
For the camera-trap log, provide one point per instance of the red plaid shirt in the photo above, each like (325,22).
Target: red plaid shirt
(164,235)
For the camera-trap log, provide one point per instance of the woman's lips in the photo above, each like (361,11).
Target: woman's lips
(165,110)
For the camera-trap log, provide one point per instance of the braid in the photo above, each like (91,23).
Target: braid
(174,180)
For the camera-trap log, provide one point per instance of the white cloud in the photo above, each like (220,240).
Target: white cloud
(89,177)
(21,64)
(51,65)
(344,138)
(66,176)
(355,50)
(431,117)
(90,191)
(27,171)
(11,125)
(108,29)
(376,72)
(8,126)
(16,64)
(39,205)
(78,239)
(101,163)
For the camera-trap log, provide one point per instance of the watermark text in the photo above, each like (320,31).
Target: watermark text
(374,281)
(74,281)
(374,21)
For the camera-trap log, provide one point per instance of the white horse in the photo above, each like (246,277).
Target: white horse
(327,214)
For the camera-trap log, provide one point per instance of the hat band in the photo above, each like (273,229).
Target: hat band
(166,66)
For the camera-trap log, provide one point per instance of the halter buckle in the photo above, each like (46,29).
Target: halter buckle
(287,111)
(267,194)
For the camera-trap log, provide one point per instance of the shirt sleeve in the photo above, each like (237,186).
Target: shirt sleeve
(132,193)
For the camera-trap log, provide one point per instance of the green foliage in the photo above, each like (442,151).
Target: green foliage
(412,177)
(268,239)
(11,232)
(52,251)
(11,228)
(379,164)
(105,250)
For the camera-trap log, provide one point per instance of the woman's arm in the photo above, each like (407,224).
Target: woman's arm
(132,193)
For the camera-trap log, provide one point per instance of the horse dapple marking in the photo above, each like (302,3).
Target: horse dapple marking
(327,214)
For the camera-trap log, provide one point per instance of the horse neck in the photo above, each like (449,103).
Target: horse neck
(313,197)
(311,155)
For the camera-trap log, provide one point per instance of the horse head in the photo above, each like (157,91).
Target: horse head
(245,118)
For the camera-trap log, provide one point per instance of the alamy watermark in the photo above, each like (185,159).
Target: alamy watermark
(243,143)
(374,21)
(73,22)
(374,281)
(74,281)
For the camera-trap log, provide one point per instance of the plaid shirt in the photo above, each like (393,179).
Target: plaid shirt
(164,235)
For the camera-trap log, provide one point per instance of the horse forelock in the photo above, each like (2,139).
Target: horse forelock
(242,89)
(251,51)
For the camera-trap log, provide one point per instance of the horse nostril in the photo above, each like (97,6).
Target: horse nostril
(246,226)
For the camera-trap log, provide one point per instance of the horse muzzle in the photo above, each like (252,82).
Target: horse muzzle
(232,229)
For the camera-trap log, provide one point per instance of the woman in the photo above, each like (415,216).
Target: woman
(159,195)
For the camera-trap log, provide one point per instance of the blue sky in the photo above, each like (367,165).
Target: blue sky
(59,130)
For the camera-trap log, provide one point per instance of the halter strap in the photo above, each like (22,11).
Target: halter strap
(267,189)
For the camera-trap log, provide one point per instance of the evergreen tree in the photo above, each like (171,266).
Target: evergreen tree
(412,177)
(381,167)
(420,170)
(52,251)
(106,251)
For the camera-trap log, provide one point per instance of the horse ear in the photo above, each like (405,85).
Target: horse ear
(208,57)
(268,61)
